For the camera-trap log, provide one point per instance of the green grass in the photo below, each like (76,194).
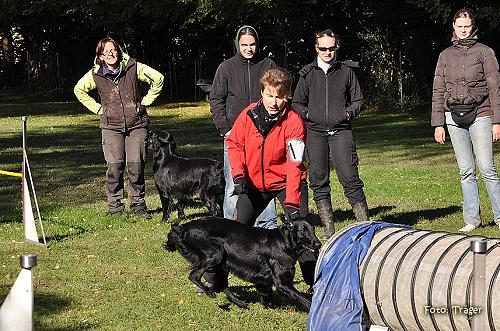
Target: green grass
(105,273)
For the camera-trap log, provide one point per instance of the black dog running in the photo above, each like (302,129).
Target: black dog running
(259,256)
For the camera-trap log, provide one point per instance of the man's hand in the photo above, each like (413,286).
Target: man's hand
(440,135)
(240,186)
(291,212)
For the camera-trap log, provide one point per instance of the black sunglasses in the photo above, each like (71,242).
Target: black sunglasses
(324,49)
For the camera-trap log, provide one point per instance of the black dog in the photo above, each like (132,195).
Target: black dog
(183,179)
(262,257)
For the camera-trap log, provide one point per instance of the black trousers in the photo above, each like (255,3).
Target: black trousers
(249,207)
(339,147)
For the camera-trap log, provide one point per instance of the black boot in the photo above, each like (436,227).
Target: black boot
(326,215)
(360,210)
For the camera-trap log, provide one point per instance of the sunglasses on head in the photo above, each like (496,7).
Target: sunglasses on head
(324,49)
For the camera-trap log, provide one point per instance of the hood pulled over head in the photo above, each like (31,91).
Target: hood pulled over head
(245,29)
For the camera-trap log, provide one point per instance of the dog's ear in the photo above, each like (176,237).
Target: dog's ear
(170,138)
(163,137)
(171,141)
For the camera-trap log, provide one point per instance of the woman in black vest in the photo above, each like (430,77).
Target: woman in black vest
(123,120)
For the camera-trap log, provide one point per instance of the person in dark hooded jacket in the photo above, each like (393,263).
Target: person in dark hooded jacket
(235,86)
(328,97)
(466,98)
(123,120)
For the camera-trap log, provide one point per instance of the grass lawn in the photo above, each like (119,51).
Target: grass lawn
(111,273)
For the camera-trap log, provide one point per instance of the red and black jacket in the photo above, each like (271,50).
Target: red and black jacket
(265,161)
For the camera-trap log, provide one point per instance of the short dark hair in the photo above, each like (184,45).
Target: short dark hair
(278,78)
(100,48)
(329,33)
(465,13)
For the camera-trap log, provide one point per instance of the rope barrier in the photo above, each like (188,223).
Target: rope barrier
(10,173)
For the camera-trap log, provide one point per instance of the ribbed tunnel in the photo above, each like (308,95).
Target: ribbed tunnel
(422,280)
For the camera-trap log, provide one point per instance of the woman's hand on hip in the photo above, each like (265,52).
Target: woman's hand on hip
(439,135)
(495,129)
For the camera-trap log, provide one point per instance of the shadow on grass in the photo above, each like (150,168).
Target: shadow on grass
(412,217)
(10,213)
(249,294)
(68,166)
(408,218)
(48,304)
(410,136)
(62,236)
(344,215)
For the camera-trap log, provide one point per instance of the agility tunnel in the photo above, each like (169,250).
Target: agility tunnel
(376,273)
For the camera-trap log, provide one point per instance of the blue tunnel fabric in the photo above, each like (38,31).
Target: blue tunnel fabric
(337,303)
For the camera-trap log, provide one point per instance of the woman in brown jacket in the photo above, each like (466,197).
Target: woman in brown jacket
(466,98)
(123,120)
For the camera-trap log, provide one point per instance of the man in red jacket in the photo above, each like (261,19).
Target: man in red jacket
(266,147)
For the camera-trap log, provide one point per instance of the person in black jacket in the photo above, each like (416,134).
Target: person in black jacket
(235,86)
(328,97)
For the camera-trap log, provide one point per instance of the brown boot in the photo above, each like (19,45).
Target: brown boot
(325,212)
(360,210)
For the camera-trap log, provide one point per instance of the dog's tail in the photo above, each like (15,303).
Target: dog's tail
(174,238)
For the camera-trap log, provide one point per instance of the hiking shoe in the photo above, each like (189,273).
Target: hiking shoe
(143,213)
(121,213)
(468,228)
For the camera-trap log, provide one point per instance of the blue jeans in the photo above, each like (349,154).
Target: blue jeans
(475,141)
(266,220)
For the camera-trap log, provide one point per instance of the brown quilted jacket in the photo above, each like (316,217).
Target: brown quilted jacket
(466,73)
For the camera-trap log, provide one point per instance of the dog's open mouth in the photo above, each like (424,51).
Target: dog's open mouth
(311,249)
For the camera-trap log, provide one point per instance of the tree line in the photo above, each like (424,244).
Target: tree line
(50,44)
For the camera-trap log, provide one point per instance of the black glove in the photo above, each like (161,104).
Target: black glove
(240,186)
(350,116)
(140,109)
(292,212)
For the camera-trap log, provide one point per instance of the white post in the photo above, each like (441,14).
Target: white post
(16,313)
(30,233)
(479,283)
